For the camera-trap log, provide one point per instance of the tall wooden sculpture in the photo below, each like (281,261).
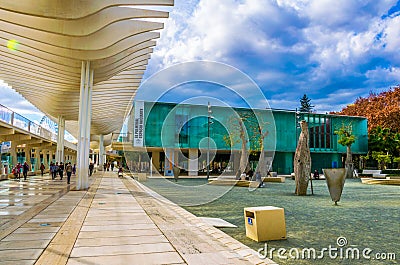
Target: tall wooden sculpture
(302,161)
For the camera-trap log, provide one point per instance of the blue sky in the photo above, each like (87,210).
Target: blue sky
(332,50)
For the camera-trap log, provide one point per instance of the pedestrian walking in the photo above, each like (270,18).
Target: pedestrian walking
(25,170)
(51,168)
(15,172)
(42,167)
(69,170)
(74,169)
(55,171)
(91,167)
(61,170)
(19,168)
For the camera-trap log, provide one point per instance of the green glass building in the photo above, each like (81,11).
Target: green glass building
(173,133)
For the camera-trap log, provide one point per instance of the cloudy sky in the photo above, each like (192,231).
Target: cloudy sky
(332,50)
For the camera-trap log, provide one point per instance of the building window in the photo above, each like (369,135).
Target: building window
(320,132)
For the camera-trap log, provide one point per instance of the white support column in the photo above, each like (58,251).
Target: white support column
(193,162)
(28,155)
(45,161)
(60,139)
(13,154)
(51,151)
(101,152)
(131,118)
(85,110)
(37,158)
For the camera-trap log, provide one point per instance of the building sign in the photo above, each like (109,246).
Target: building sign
(138,126)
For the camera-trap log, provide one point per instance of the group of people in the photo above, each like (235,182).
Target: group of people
(58,169)
(20,167)
(109,165)
(55,169)
(249,175)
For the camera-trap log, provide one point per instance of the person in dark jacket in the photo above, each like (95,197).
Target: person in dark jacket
(61,170)
(42,167)
(91,167)
(25,169)
(69,170)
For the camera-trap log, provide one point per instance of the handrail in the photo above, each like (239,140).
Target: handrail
(10,117)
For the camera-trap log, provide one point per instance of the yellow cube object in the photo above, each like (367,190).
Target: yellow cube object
(265,223)
(142,177)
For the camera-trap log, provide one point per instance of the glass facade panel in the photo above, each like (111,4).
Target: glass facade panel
(185,126)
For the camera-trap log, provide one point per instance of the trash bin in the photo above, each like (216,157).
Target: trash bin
(265,223)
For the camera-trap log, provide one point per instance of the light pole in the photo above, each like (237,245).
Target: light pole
(208,139)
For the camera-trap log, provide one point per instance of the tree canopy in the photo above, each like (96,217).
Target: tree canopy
(305,104)
(381,109)
(346,137)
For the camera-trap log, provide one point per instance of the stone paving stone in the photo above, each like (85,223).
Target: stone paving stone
(31,236)
(41,224)
(5,220)
(20,262)
(120,250)
(24,244)
(142,259)
(8,255)
(6,212)
(137,219)
(44,219)
(113,241)
(88,228)
(38,229)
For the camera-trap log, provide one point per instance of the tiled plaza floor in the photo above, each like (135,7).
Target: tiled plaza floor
(117,221)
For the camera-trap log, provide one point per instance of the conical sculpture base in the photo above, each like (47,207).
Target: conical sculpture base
(335,178)
(176,171)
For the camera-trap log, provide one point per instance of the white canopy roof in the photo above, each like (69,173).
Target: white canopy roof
(43,44)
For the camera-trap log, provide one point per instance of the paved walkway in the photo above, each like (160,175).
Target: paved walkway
(117,221)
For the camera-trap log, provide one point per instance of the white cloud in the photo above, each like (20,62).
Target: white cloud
(390,75)
(301,46)
(216,29)
(392,35)
(18,104)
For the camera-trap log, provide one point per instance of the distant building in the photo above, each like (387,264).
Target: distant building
(177,133)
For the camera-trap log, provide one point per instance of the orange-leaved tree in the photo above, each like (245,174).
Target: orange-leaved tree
(381,109)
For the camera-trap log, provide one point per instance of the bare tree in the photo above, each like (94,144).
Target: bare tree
(238,134)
